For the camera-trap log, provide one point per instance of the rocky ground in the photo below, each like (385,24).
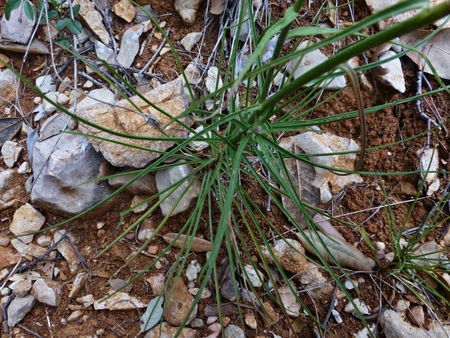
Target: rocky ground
(54,283)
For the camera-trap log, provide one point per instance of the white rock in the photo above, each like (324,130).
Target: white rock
(380,245)
(19,308)
(129,46)
(49,107)
(24,168)
(95,97)
(21,287)
(251,322)
(234,331)
(199,145)
(394,77)
(254,276)
(187,9)
(44,83)
(289,253)
(10,152)
(192,270)
(125,10)
(350,285)
(193,74)
(367,332)
(19,27)
(66,250)
(102,51)
(317,285)
(78,284)
(206,293)
(75,316)
(119,301)
(62,99)
(189,41)
(362,307)
(86,301)
(289,300)
(47,291)
(137,200)
(26,219)
(157,283)
(337,316)
(211,82)
(303,64)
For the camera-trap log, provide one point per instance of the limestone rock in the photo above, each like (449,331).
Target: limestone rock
(303,64)
(125,10)
(189,189)
(47,291)
(66,250)
(93,19)
(129,47)
(8,82)
(187,9)
(289,253)
(168,97)
(19,27)
(157,283)
(145,185)
(189,41)
(316,283)
(26,219)
(192,270)
(234,331)
(166,330)
(95,97)
(19,308)
(71,162)
(178,302)
(8,257)
(9,188)
(10,152)
(120,301)
(393,76)
(44,83)
(289,301)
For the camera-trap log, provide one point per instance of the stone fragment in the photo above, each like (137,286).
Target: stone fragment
(75,316)
(142,16)
(304,63)
(66,250)
(9,188)
(21,287)
(157,283)
(165,330)
(289,253)
(188,190)
(21,248)
(26,219)
(206,293)
(119,301)
(103,52)
(35,250)
(254,276)
(8,83)
(395,326)
(289,301)
(145,230)
(65,84)
(86,301)
(192,270)
(234,331)
(49,108)
(317,285)
(19,308)
(95,97)
(47,291)
(361,306)
(193,74)
(129,47)
(199,145)
(393,76)
(78,284)
(145,185)
(125,10)
(44,83)
(10,152)
(213,81)
(168,97)
(197,323)
(178,302)
(19,27)
(251,322)
(337,316)
(64,163)
(187,9)
(92,19)
(416,315)
(189,41)
(62,99)
(24,168)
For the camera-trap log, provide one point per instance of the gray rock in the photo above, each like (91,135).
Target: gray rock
(197,323)
(26,219)
(395,326)
(95,97)
(394,77)
(119,301)
(316,283)
(9,188)
(234,331)
(189,41)
(8,83)
(157,283)
(47,291)
(66,250)
(301,65)
(10,152)
(19,27)
(361,306)
(49,108)
(44,83)
(211,81)
(103,52)
(189,189)
(123,118)
(141,16)
(146,185)
(166,331)
(19,308)
(78,284)
(289,301)
(251,322)
(254,276)
(178,302)
(129,46)
(21,287)
(93,19)
(187,9)
(71,161)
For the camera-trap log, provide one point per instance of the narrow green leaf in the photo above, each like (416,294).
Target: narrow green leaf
(74,26)
(29,10)
(61,24)
(10,6)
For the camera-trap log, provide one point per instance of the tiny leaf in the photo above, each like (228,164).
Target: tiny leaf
(61,24)
(29,10)
(198,244)
(153,314)
(329,247)
(63,43)
(76,9)
(74,26)
(52,14)
(10,6)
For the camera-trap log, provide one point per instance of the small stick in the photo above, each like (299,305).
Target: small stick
(330,309)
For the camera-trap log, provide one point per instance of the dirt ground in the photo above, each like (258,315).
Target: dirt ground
(356,203)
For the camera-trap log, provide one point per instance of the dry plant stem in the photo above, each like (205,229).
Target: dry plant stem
(29,331)
(330,309)
(5,312)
